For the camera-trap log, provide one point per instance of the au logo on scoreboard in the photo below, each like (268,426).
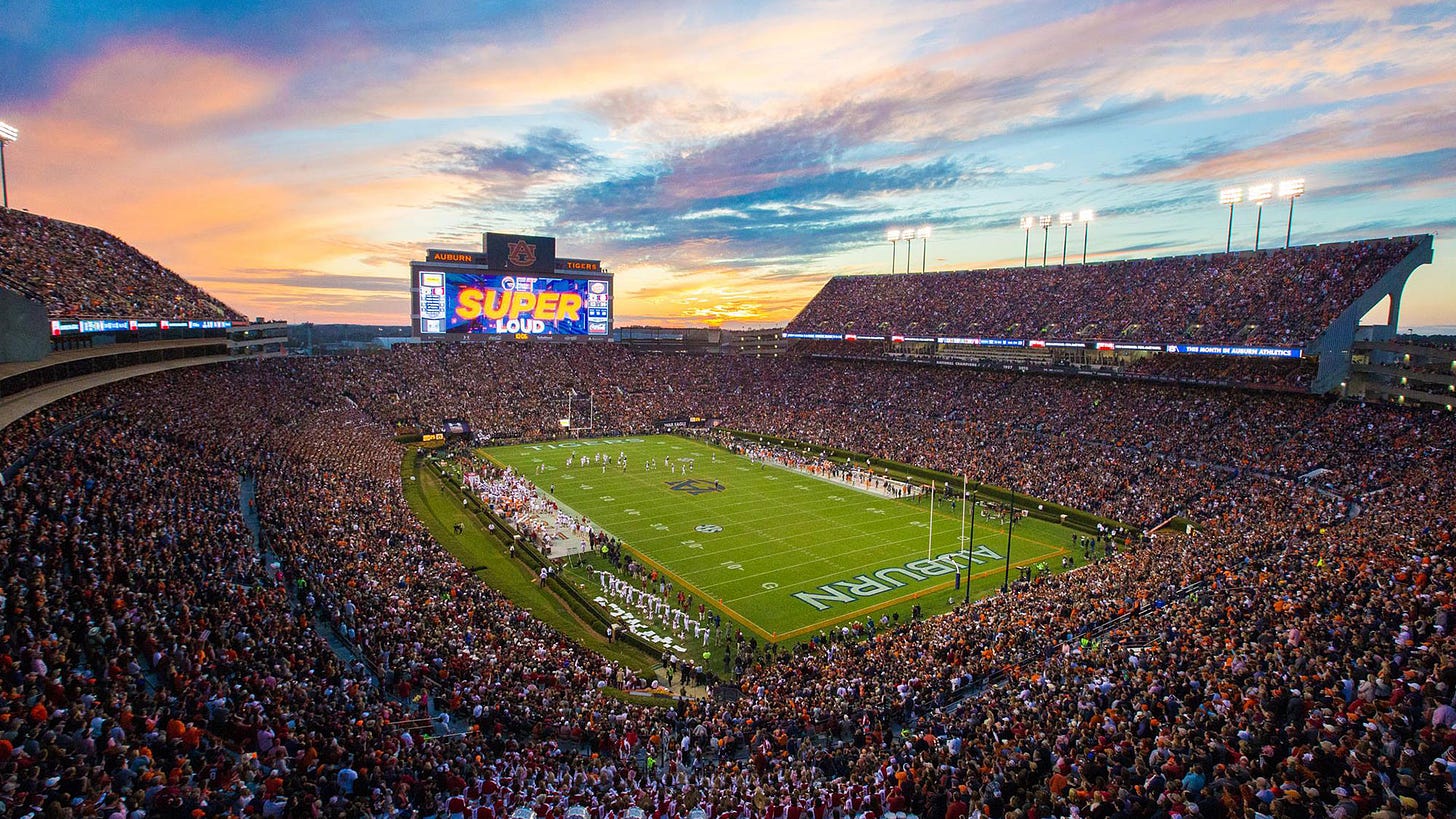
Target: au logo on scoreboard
(523,253)
(511,253)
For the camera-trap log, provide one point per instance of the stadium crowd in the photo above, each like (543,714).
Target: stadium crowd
(1136,452)
(77,271)
(1247,372)
(1293,660)
(1277,297)
(1294,375)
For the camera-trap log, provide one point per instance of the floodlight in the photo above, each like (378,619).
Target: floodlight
(923,234)
(1028,222)
(7,134)
(1230,196)
(1291,189)
(893,236)
(1046,221)
(1068,217)
(1260,194)
(1086,217)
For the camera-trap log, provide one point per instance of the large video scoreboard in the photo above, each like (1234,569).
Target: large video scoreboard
(518,288)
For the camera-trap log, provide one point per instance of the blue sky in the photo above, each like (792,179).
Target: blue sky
(724,159)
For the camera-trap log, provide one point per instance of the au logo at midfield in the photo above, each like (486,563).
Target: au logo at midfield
(693,486)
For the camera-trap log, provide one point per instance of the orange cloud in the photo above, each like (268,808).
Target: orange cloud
(218,163)
(653,294)
(150,140)
(135,94)
(167,87)
(682,81)
(1379,132)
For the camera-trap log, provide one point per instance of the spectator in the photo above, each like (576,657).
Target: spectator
(1293,659)
(1281,297)
(78,272)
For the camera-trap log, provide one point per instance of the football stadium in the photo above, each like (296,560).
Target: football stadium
(1162,532)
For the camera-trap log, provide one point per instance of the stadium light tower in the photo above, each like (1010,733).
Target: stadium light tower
(1067,219)
(894,237)
(1085,217)
(930,531)
(1010,526)
(1230,197)
(924,235)
(1260,193)
(1027,223)
(1046,226)
(971,503)
(7,134)
(1292,188)
(908,234)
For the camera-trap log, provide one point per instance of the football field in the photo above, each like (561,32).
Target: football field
(782,552)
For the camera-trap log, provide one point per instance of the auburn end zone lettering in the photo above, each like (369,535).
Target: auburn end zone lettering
(890,578)
(511,305)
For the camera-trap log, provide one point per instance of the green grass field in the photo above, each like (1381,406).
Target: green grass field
(781,552)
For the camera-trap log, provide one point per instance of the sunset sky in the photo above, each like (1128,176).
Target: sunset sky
(723,159)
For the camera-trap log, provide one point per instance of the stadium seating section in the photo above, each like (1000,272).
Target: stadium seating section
(153,660)
(82,272)
(1277,297)
(1295,375)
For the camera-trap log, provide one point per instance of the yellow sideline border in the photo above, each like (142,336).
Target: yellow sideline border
(948,584)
